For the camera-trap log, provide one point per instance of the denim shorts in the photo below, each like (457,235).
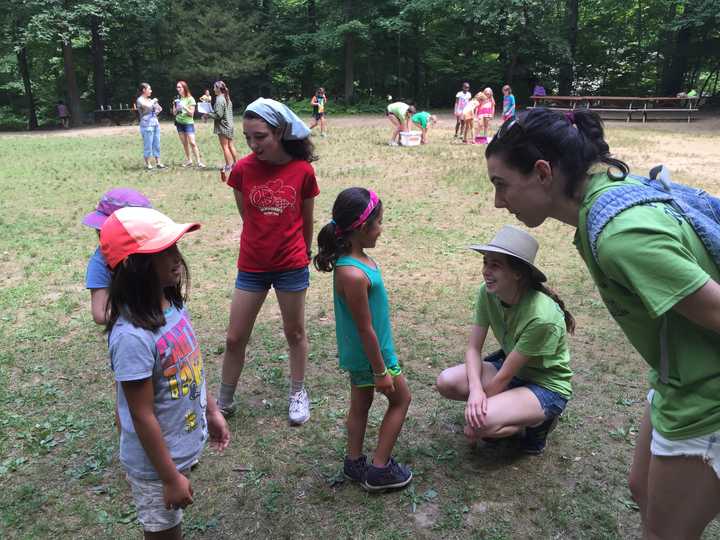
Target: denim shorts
(285,280)
(185,128)
(552,403)
(706,447)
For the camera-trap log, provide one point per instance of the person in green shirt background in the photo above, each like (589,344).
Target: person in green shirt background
(423,120)
(184,110)
(398,113)
(525,386)
(656,278)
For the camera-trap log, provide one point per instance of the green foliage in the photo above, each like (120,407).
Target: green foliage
(411,49)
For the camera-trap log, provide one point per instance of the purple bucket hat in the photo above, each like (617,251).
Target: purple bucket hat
(113,200)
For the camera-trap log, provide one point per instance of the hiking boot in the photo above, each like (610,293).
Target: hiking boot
(299,408)
(355,469)
(227,410)
(533,442)
(393,475)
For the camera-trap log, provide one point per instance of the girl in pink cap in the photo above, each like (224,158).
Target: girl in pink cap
(165,412)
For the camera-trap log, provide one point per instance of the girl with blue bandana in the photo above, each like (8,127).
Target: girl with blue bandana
(274,188)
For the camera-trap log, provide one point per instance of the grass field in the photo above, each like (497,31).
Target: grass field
(59,470)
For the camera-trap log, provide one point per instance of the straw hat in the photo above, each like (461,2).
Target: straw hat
(515,243)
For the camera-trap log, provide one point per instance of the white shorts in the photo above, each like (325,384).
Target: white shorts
(707,447)
(150,505)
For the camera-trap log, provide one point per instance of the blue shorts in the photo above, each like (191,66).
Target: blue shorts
(552,403)
(285,280)
(185,128)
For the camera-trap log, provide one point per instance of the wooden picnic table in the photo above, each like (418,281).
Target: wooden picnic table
(117,116)
(624,105)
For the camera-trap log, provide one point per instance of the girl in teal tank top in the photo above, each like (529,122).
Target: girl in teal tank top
(364,337)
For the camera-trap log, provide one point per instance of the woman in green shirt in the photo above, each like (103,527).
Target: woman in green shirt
(184,111)
(525,385)
(656,279)
(399,113)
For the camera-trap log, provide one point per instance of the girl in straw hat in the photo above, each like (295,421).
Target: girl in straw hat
(526,384)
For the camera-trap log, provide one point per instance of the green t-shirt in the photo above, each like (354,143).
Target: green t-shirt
(399,109)
(421,118)
(649,258)
(183,117)
(534,327)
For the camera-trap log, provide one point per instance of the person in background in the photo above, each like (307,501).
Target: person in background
(184,111)
(148,109)
(63,114)
(423,120)
(461,99)
(508,103)
(205,98)
(224,125)
(318,102)
(399,113)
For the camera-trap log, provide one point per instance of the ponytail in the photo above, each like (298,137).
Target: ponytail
(531,281)
(330,248)
(571,142)
(569,319)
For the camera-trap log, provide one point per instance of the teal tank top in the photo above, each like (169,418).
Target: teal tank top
(350,348)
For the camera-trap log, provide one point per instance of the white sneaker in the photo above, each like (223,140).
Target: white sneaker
(298,408)
(392,143)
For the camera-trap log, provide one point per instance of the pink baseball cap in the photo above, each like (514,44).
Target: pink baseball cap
(133,230)
(114,200)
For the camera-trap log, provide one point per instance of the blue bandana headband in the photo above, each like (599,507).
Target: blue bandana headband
(280,116)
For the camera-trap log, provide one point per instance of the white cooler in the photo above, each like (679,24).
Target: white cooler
(410,138)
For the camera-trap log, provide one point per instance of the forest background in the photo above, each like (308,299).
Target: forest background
(93,53)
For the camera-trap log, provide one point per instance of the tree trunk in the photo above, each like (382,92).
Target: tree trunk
(71,84)
(308,77)
(567,68)
(676,63)
(24,68)
(98,56)
(349,54)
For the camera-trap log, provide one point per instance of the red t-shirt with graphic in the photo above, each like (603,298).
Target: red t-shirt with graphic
(272,200)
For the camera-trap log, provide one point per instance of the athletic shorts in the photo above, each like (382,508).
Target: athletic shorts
(185,128)
(366,379)
(318,115)
(706,447)
(552,403)
(285,280)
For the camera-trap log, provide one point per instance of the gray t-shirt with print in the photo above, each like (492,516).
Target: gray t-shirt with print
(171,357)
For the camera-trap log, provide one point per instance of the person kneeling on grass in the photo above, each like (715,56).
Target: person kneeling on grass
(526,385)
(423,120)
